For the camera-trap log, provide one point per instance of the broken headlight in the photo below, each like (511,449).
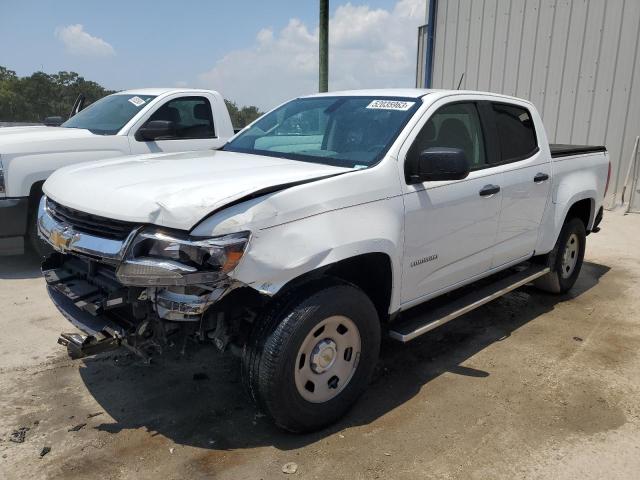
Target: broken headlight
(156,258)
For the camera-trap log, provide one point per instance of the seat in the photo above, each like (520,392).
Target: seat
(201,112)
(204,127)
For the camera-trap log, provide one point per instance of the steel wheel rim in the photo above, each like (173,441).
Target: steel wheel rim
(327,359)
(570,255)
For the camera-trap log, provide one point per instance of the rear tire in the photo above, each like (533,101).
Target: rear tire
(312,355)
(567,258)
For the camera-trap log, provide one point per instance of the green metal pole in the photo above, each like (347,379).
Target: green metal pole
(324,46)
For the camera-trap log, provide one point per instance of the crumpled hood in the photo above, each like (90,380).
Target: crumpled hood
(174,190)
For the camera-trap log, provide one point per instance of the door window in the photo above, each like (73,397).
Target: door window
(456,125)
(516,132)
(191,117)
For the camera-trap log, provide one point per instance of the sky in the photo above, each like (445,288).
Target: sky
(253,52)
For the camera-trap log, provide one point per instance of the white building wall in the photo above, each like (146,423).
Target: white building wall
(577,60)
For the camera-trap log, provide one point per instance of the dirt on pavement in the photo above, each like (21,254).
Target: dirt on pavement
(530,386)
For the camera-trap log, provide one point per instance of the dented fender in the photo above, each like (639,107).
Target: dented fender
(280,254)
(306,227)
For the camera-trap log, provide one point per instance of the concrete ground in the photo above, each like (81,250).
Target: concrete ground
(529,386)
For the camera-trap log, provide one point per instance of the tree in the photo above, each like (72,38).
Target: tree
(32,98)
(241,117)
(9,99)
(40,95)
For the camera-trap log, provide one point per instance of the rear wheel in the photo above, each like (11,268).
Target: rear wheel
(567,258)
(313,355)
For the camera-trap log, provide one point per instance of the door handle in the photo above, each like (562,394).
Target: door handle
(540,177)
(489,190)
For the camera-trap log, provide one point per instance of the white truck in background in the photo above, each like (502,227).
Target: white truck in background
(152,120)
(316,230)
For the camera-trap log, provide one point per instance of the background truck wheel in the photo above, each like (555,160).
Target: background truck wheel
(567,257)
(40,247)
(312,355)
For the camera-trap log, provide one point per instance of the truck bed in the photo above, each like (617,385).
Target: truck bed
(566,150)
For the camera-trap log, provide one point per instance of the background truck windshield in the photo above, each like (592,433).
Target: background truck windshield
(342,131)
(109,114)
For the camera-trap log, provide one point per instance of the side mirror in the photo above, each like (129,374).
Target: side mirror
(155,130)
(53,121)
(440,163)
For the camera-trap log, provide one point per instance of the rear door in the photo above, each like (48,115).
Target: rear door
(194,127)
(450,226)
(526,181)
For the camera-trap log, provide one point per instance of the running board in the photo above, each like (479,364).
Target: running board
(414,327)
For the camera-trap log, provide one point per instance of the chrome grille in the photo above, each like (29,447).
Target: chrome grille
(91,224)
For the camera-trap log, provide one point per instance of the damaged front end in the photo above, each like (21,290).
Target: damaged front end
(138,286)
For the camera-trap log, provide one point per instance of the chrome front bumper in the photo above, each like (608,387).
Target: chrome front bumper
(64,239)
(169,304)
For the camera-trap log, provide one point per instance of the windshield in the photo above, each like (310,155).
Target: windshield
(342,131)
(109,114)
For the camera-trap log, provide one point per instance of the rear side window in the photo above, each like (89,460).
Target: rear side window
(516,132)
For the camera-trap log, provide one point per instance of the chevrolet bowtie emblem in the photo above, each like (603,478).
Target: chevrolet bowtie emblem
(61,238)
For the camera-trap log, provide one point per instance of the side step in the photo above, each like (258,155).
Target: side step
(413,327)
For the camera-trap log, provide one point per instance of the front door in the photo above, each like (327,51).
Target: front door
(525,184)
(450,226)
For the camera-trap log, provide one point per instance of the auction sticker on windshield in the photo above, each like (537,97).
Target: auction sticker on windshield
(137,101)
(390,105)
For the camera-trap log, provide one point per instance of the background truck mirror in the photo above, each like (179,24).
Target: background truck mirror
(156,130)
(53,121)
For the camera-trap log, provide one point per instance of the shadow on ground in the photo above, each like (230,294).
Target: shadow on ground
(200,399)
(20,266)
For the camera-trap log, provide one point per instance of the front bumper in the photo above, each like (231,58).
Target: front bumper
(82,282)
(64,238)
(100,334)
(111,315)
(98,252)
(91,299)
(14,214)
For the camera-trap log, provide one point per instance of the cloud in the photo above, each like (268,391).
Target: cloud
(78,42)
(368,48)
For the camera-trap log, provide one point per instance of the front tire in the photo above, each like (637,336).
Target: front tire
(567,258)
(312,355)
(39,246)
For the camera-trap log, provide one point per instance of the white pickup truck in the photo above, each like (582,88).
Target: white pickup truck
(315,231)
(125,123)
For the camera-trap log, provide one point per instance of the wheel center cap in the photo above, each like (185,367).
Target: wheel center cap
(323,355)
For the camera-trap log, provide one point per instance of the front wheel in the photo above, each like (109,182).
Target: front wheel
(313,356)
(39,246)
(568,255)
